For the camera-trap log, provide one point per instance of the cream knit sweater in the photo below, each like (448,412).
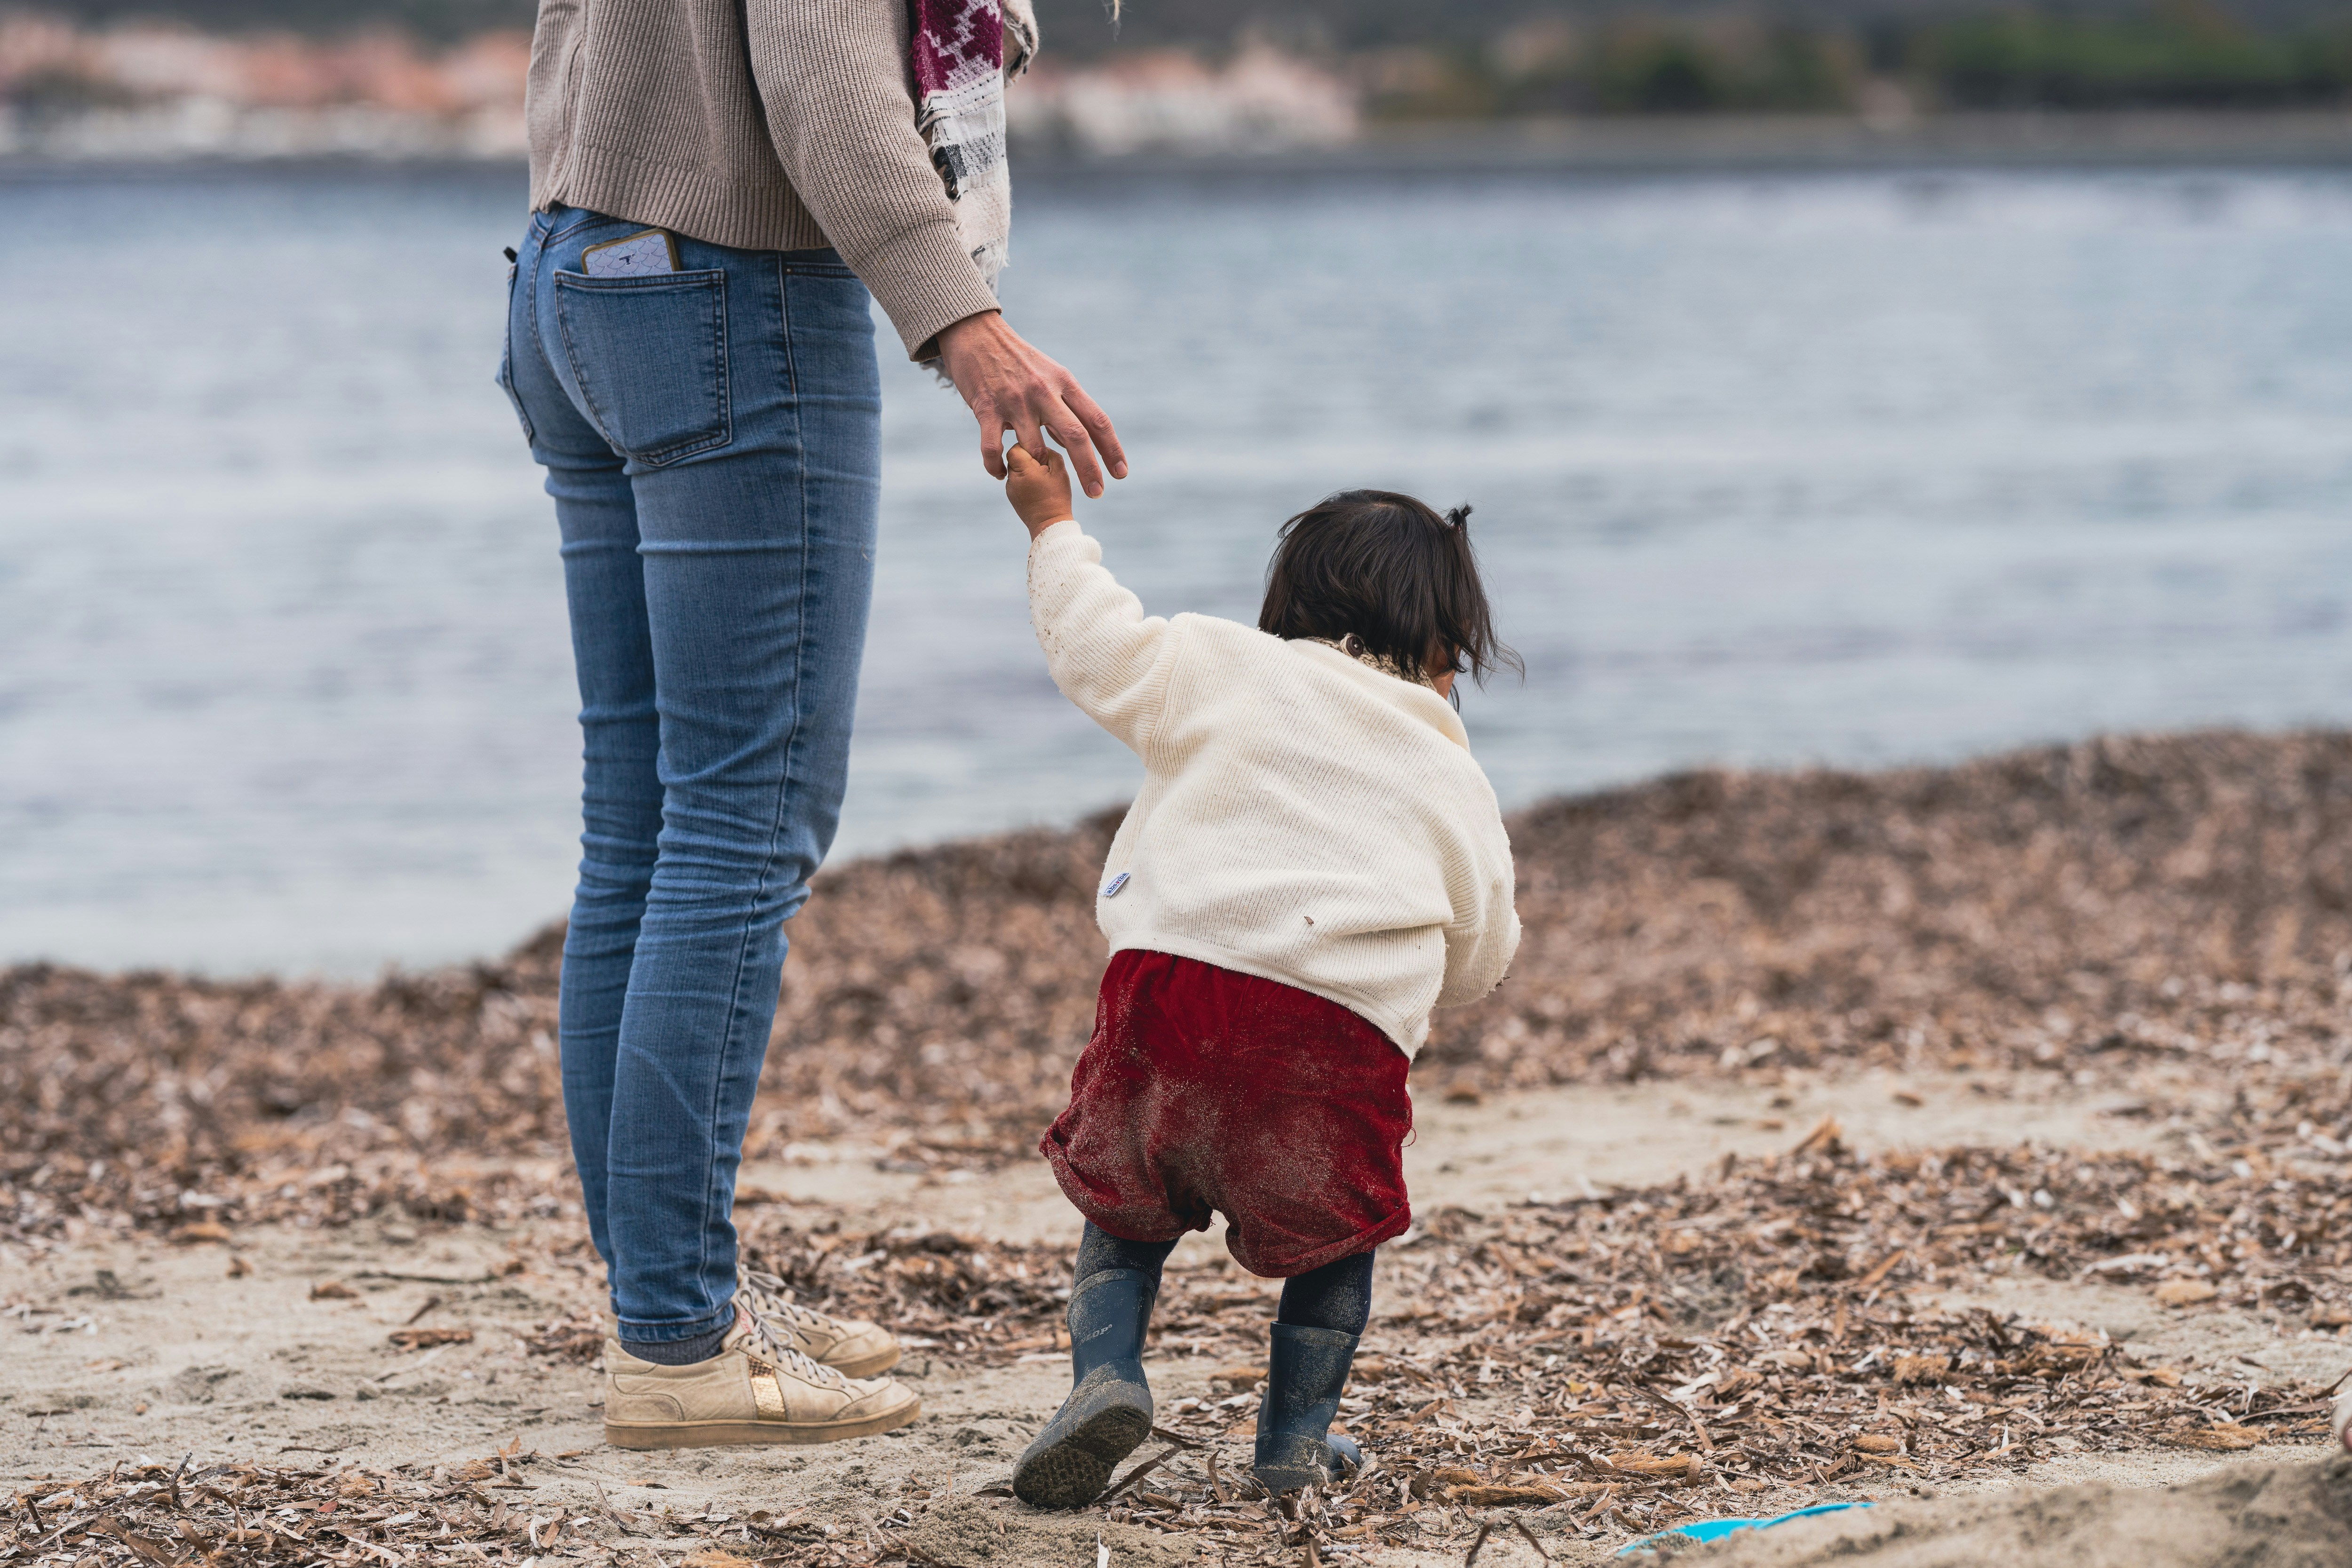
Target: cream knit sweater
(1304,816)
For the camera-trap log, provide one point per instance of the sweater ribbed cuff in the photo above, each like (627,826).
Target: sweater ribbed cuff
(925,281)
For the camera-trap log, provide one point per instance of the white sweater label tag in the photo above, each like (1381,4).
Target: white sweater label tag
(1111,888)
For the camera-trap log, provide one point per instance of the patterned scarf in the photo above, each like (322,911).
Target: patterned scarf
(1353,647)
(965,51)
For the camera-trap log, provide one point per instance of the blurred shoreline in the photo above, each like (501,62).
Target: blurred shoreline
(1997,139)
(1597,146)
(1560,98)
(1618,147)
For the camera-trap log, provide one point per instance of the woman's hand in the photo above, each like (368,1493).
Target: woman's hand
(1011,386)
(1040,492)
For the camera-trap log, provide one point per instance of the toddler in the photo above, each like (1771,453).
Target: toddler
(1313,863)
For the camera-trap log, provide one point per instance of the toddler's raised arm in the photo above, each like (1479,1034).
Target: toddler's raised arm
(1105,653)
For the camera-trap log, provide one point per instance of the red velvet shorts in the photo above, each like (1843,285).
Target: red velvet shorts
(1203,1089)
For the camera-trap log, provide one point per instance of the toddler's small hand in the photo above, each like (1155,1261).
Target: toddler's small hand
(1040,492)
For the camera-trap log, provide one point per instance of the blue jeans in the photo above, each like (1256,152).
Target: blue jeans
(711,437)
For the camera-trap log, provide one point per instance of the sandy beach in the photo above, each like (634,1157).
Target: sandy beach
(1968,1141)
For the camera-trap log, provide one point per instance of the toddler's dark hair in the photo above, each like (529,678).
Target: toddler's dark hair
(1386,568)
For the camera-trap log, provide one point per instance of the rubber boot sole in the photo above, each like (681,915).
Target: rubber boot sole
(1280,1479)
(1069,1469)
(1320,1463)
(737,1434)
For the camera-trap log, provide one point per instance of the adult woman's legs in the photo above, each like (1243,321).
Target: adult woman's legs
(621,793)
(758,570)
(740,399)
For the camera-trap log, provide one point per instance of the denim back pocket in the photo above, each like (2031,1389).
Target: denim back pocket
(649,355)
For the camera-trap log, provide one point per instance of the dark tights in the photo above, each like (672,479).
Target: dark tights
(1335,1296)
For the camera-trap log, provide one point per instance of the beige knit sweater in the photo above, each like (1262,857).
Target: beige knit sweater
(764,125)
(1304,816)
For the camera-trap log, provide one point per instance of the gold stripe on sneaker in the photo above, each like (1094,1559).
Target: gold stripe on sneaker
(767,1390)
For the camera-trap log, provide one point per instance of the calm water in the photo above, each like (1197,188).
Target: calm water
(1859,469)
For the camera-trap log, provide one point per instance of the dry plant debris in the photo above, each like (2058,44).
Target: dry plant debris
(1624,1361)
(2155,916)
(2097,910)
(161,1516)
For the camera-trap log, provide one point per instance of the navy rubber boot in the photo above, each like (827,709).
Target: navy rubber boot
(1109,1411)
(1304,1376)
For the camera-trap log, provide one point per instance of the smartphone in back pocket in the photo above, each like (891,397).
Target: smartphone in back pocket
(647,252)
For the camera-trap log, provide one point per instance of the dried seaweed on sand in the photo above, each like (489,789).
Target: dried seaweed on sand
(2167,921)
(1624,1360)
(2092,910)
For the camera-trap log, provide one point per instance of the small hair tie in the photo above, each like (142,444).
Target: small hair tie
(1459,517)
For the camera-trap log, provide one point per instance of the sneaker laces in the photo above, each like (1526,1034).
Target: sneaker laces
(772,1299)
(765,1301)
(792,1360)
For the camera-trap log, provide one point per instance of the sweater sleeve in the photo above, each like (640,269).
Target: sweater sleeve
(1105,653)
(1484,931)
(832,76)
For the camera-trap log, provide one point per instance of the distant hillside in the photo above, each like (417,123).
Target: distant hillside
(1082,28)
(1485,58)
(438,20)
(1473,59)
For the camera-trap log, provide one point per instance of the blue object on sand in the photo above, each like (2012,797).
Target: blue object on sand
(1717,1528)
